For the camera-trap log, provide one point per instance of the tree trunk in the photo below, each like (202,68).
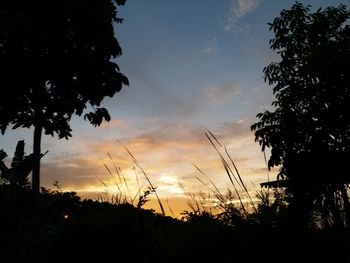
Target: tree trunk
(36,156)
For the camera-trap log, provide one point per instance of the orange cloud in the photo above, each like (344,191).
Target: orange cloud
(112,123)
(165,156)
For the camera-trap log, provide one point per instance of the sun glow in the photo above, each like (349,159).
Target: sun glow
(168,179)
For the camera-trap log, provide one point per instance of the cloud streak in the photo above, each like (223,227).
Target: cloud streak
(166,153)
(112,123)
(238,9)
(217,95)
(212,47)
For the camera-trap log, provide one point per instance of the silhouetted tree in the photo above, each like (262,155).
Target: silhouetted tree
(309,129)
(55,59)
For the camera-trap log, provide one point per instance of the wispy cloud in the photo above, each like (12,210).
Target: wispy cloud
(238,9)
(218,94)
(211,47)
(157,95)
(165,155)
(112,123)
(235,129)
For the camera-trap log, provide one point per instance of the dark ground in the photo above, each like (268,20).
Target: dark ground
(59,227)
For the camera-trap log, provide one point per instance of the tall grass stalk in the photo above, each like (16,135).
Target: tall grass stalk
(145,175)
(229,171)
(111,174)
(171,211)
(191,200)
(215,190)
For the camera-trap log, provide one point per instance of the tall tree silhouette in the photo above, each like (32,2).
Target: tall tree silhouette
(309,129)
(56,57)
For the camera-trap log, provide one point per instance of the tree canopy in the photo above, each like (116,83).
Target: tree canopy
(308,131)
(56,57)
(311,82)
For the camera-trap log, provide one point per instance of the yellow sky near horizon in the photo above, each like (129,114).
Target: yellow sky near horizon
(167,159)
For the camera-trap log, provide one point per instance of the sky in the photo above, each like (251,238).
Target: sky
(193,67)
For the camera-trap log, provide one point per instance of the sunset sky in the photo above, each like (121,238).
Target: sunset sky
(193,66)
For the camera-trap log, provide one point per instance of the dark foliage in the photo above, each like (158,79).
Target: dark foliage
(311,85)
(21,166)
(56,57)
(309,130)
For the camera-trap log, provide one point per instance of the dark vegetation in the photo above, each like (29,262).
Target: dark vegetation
(304,216)
(55,60)
(59,227)
(309,130)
